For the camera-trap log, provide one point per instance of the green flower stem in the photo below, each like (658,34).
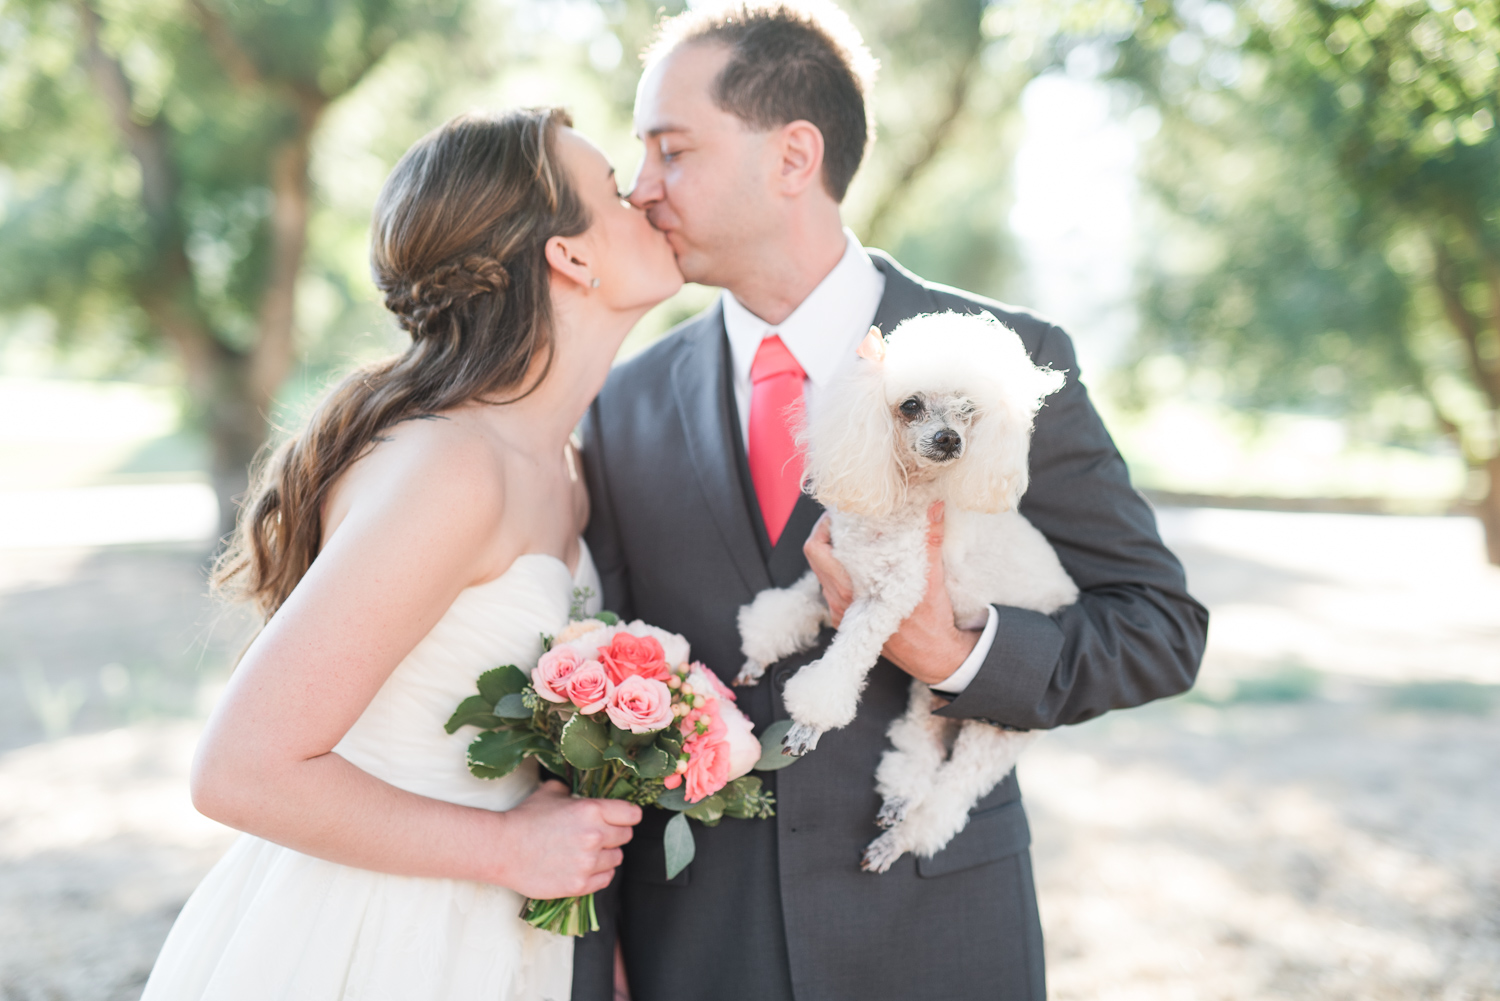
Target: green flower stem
(564,916)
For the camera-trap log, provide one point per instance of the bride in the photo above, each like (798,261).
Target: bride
(423,528)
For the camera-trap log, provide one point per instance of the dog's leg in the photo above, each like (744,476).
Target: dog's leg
(779,623)
(906,776)
(982,756)
(908,767)
(882,853)
(824,695)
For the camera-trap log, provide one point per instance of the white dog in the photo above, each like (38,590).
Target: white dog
(941,412)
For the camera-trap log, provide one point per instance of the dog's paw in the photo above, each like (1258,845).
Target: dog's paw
(881,853)
(750,674)
(892,812)
(800,739)
(821,696)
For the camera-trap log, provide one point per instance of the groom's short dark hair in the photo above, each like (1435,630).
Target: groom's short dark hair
(788,61)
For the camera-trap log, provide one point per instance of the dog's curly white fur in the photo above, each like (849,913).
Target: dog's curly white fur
(946,415)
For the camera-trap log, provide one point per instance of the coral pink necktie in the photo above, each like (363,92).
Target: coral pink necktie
(775,407)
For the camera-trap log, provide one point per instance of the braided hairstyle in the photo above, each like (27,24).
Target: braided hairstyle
(458,247)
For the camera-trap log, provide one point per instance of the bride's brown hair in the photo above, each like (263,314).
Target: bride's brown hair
(457,245)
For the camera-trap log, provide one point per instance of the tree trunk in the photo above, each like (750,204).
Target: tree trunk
(237,427)
(238,412)
(272,356)
(1489,511)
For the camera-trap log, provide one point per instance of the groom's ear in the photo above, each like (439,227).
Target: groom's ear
(800,145)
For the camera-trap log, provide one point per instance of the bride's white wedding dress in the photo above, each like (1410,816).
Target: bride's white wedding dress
(270,924)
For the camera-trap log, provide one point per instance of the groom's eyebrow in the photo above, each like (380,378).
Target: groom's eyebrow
(661,130)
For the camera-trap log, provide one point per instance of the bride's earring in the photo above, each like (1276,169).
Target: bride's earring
(593,283)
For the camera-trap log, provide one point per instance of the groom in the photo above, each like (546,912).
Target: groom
(754,122)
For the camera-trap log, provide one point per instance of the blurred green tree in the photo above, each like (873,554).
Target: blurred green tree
(1329,174)
(158,164)
(193,177)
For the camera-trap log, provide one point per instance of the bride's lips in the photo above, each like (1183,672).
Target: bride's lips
(670,235)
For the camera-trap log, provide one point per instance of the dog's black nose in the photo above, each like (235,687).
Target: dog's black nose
(946,442)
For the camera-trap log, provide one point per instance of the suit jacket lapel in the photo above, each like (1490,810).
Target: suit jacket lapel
(904,295)
(701,390)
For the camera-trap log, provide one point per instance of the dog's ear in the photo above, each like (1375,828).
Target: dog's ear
(995,469)
(850,442)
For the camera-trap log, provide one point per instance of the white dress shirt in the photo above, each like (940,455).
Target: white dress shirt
(823,333)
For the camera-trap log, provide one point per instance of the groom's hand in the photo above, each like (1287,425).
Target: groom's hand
(928,646)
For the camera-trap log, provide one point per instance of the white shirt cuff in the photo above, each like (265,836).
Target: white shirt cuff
(956,682)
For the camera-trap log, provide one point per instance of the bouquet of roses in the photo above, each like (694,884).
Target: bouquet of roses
(620,712)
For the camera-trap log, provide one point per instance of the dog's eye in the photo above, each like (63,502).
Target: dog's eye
(912,407)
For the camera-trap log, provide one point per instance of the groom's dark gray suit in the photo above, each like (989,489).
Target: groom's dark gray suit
(776,910)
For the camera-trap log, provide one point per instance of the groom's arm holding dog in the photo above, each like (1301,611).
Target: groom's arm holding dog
(1134,634)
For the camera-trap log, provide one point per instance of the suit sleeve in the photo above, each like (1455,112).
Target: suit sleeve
(1134,634)
(603,534)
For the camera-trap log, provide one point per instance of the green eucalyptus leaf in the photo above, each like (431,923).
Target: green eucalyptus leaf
(674,799)
(472,711)
(670,740)
(583,741)
(709,810)
(654,763)
(614,752)
(608,618)
(739,809)
(502,681)
(771,756)
(745,785)
(742,797)
(677,841)
(552,761)
(496,753)
(626,738)
(513,706)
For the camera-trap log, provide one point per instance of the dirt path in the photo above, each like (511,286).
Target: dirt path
(1316,822)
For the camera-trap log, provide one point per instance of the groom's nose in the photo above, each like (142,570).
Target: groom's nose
(646,189)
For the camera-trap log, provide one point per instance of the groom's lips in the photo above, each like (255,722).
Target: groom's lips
(671,235)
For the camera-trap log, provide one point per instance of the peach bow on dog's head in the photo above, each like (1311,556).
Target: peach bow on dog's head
(872,348)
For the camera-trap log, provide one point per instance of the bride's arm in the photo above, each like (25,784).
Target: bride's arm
(419,527)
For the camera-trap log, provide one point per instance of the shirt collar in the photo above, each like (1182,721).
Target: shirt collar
(823,331)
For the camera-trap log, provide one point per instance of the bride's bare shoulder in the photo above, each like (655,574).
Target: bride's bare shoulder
(439,464)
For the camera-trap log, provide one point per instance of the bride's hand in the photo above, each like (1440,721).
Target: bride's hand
(558,846)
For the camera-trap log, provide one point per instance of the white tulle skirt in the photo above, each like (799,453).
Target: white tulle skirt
(272,924)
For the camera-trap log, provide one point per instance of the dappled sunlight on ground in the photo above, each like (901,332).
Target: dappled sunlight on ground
(1315,821)
(1307,851)
(99,848)
(1358,596)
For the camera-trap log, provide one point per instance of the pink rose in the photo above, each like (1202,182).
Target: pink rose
(550,676)
(708,682)
(639,656)
(641,705)
(708,766)
(707,713)
(744,746)
(589,687)
(737,730)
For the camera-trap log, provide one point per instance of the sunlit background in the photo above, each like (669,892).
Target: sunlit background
(1272,228)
